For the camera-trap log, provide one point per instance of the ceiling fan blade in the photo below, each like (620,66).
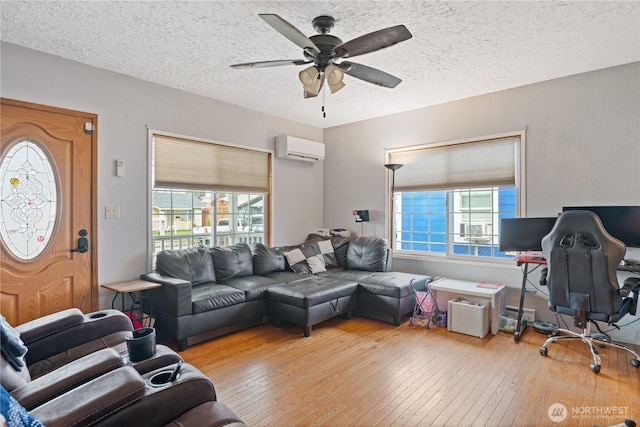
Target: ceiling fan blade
(373,41)
(368,74)
(289,31)
(263,64)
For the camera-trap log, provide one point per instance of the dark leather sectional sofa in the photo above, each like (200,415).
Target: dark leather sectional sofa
(208,292)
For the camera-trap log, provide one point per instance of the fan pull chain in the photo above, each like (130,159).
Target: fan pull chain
(324,114)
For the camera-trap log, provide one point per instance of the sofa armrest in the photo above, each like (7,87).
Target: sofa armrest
(67,377)
(49,325)
(631,289)
(93,401)
(173,298)
(45,339)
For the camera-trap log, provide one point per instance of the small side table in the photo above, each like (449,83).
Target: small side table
(130,287)
(446,289)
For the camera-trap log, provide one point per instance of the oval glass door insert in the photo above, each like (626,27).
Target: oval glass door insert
(28,200)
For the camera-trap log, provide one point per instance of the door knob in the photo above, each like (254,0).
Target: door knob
(83,242)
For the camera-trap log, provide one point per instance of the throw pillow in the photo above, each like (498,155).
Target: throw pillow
(193,265)
(12,413)
(305,261)
(340,246)
(325,249)
(232,261)
(12,348)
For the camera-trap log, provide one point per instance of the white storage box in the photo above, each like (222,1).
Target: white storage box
(468,317)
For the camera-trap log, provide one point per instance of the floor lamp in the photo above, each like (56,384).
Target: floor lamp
(393,167)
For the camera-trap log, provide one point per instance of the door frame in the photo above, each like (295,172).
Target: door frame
(94,182)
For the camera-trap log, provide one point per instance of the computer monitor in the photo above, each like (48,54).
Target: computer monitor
(524,234)
(622,222)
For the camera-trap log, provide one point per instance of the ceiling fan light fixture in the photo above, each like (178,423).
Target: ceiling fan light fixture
(309,77)
(323,48)
(334,77)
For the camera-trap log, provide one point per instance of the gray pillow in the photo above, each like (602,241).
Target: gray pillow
(305,260)
(232,261)
(194,265)
(267,260)
(340,246)
(323,247)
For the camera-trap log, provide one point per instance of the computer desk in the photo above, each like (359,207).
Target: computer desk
(538,259)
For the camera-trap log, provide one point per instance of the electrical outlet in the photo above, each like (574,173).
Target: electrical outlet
(527,313)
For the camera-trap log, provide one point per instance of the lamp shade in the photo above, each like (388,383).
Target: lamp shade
(309,79)
(334,77)
(393,166)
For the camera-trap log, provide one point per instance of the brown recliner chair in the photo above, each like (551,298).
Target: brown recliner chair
(60,338)
(125,397)
(78,373)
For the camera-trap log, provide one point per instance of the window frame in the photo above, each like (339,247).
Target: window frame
(520,188)
(268,196)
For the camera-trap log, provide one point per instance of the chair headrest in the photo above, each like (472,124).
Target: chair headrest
(585,229)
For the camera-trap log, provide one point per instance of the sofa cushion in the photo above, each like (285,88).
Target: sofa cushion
(232,261)
(305,260)
(193,265)
(311,291)
(212,296)
(392,283)
(254,287)
(367,254)
(267,260)
(284,276)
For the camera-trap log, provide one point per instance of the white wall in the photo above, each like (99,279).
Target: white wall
(126,108)
(583,148)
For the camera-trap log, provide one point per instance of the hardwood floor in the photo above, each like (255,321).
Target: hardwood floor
(362,372)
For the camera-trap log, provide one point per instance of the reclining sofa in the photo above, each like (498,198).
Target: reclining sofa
(208,292)
(77,372)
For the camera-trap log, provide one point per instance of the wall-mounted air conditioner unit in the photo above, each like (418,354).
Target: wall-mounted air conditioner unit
(291,147)
(478,232)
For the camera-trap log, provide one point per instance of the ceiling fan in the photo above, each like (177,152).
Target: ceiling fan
(323,50)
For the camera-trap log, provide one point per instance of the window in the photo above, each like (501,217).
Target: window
(449,198)
(207,194)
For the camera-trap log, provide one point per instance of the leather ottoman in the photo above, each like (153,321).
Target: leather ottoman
(311,300)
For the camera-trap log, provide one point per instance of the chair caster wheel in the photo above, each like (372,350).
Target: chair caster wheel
(544,351)
(412,321)
(594,368)
(635,363)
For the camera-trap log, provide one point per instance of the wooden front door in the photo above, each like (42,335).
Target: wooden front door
(47,211)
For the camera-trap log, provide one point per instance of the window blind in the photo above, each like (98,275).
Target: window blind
(189,164)
(485,163)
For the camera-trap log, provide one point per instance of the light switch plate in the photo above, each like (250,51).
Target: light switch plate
(119,167)
(112,212)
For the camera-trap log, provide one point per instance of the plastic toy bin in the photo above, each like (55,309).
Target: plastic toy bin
(468,317)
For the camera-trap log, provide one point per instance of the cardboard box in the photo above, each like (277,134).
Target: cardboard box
(468,317)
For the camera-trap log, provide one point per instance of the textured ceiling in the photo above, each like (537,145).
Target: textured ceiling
(459,49)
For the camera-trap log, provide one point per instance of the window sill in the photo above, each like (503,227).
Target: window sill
(479,261)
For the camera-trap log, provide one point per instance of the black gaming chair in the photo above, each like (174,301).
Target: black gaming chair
(581,260)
